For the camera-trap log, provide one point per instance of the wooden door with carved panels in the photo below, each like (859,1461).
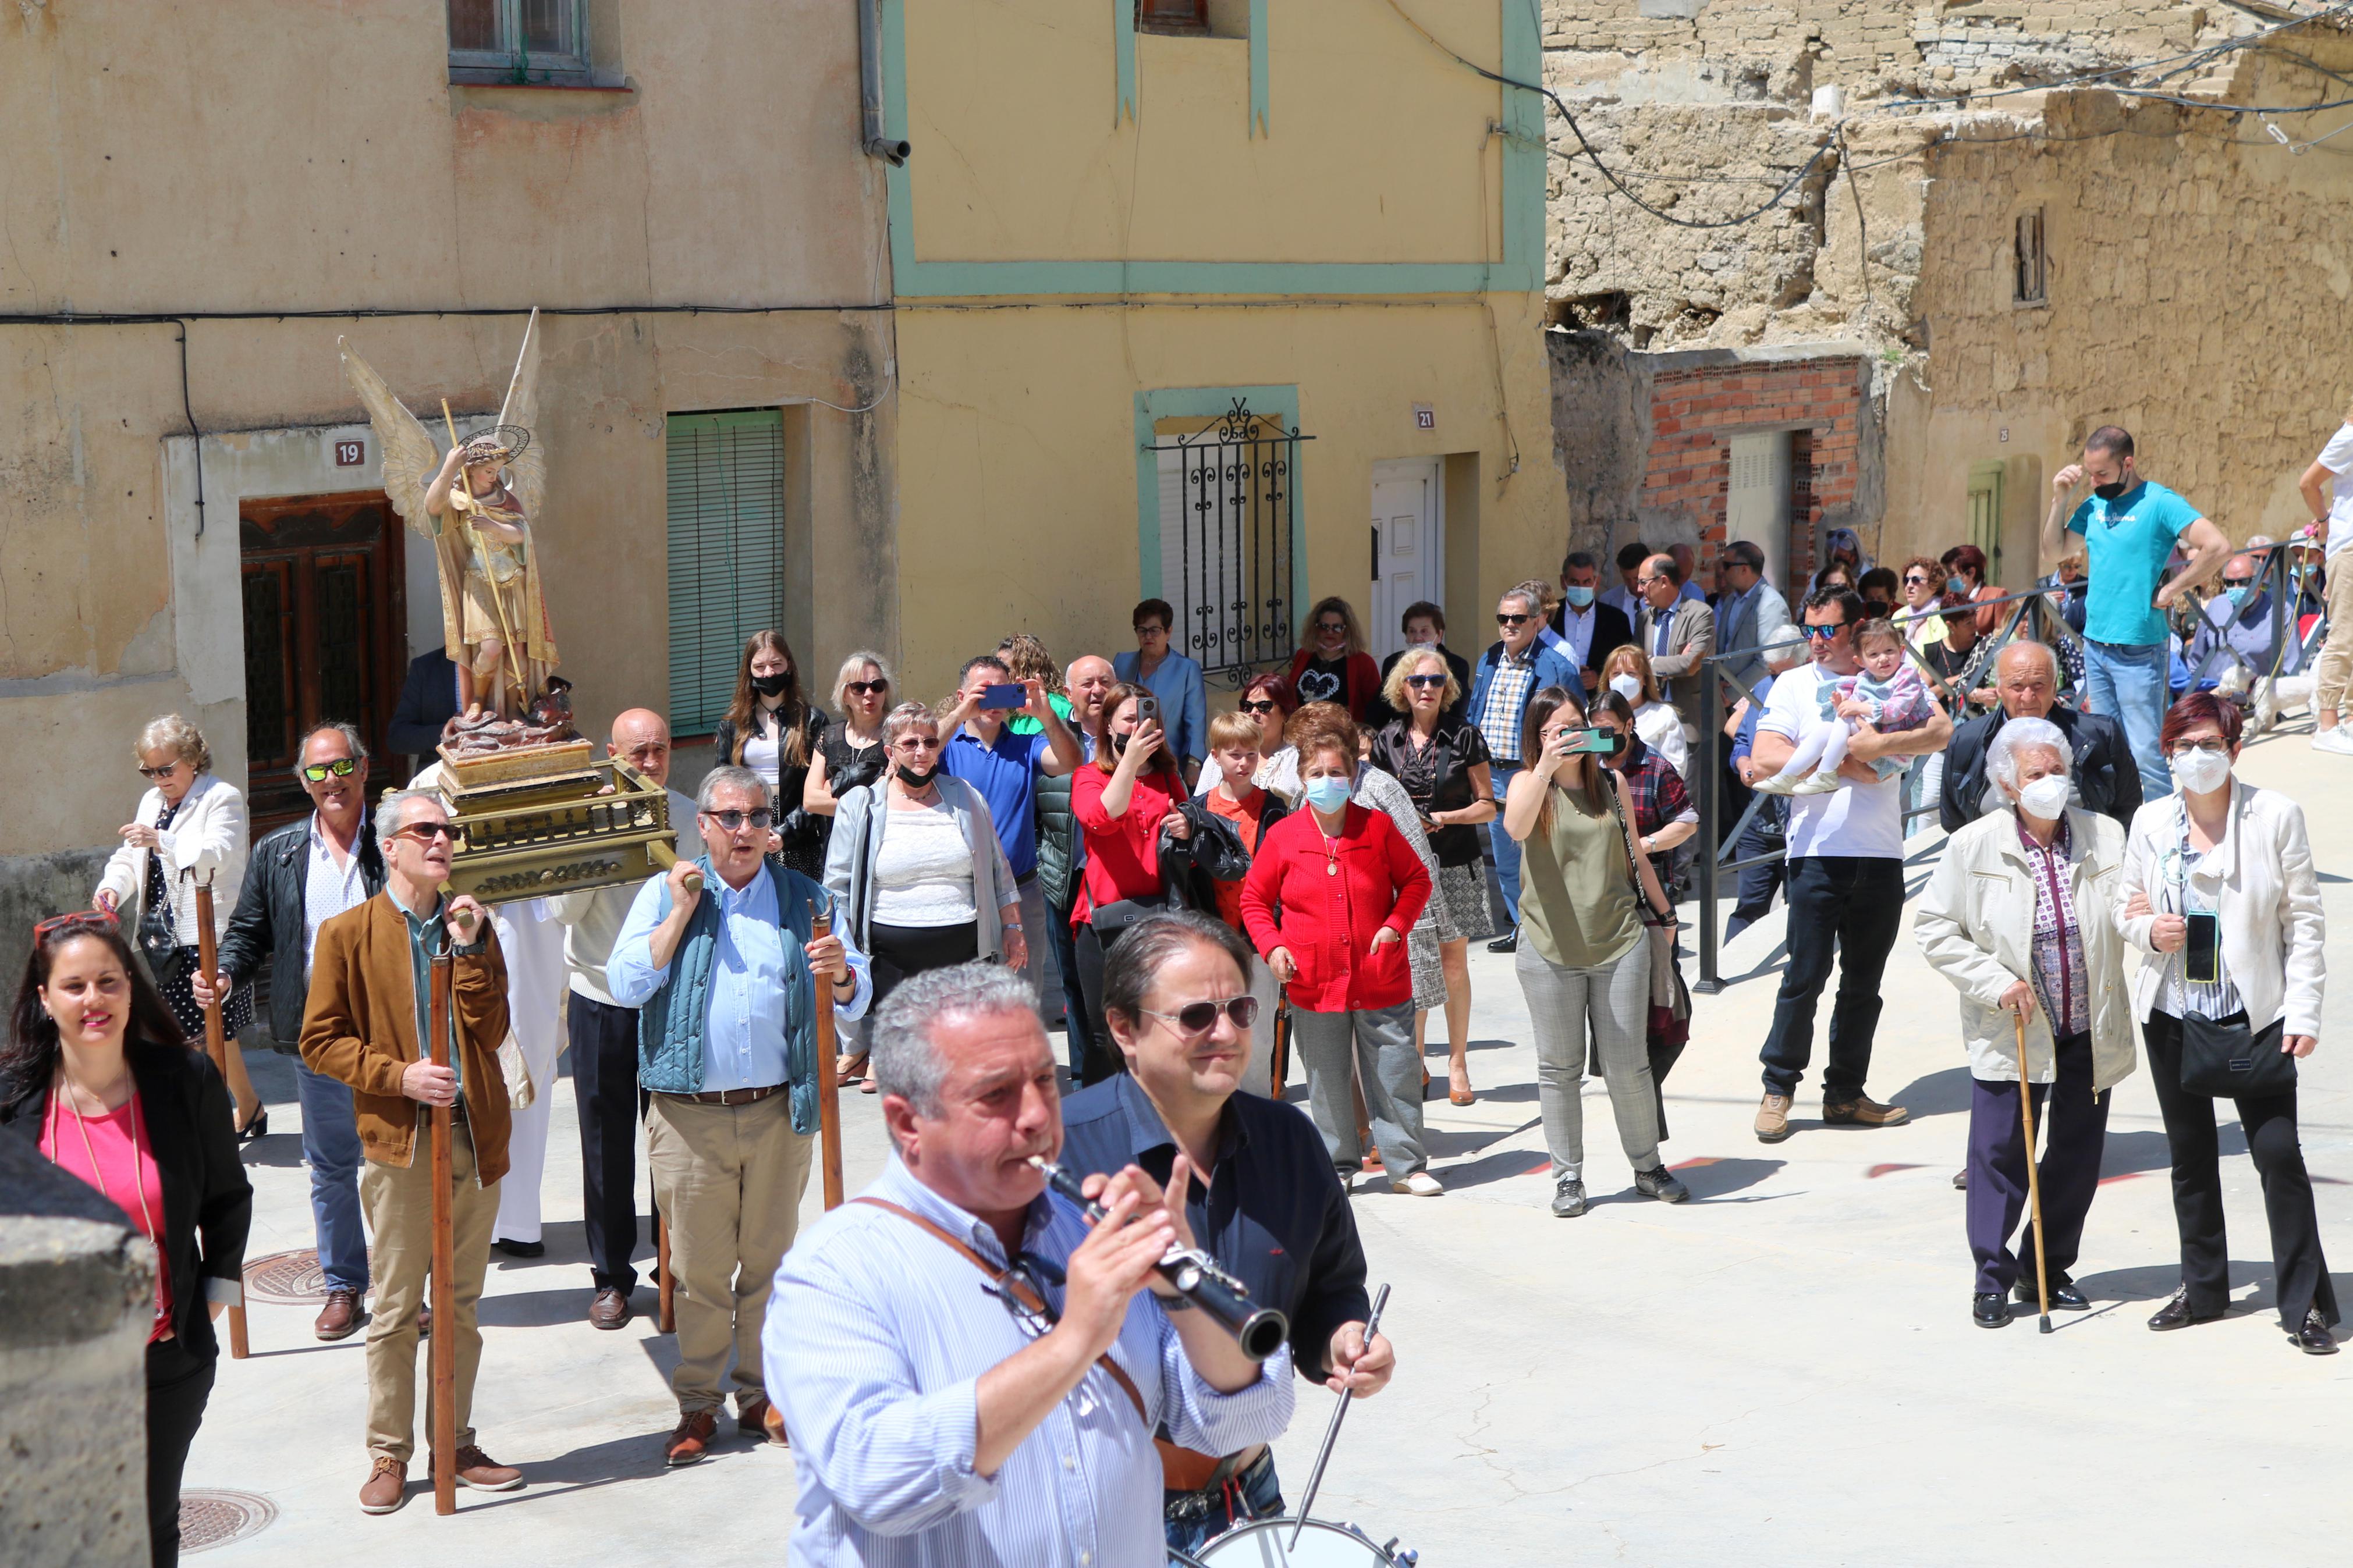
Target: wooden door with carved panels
(326,634)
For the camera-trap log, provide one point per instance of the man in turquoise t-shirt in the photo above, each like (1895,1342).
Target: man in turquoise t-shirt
(2130,527)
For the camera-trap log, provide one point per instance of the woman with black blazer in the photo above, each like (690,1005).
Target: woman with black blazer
(98,1077)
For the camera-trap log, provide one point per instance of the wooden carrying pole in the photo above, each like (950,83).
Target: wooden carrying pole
(828,1086)
(216,1048)
(664,857)
(444,1343)
(2033,1182)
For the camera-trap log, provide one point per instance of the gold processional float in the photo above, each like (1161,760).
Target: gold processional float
(535,813)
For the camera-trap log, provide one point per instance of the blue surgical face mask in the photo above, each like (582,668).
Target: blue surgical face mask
(1328,794)
(1580,597)
(1956,584)
(2239,595)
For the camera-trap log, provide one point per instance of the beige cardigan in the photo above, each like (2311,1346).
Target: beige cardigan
(1976,924)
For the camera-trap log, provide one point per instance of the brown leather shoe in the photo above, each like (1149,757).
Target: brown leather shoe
(757,1418)
(1773,1119)
(387,1487)
(610,1310)
(484,1474)
(691,1439)
(1864,1112)
(341,1317)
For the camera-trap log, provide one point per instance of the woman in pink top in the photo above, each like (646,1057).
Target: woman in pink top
(96,1075)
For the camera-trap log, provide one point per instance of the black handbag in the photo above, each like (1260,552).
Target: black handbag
(2225,1059)
(1111,921)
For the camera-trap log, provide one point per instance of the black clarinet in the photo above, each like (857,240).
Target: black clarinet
(1199,1277)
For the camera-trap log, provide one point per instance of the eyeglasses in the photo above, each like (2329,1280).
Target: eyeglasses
(1265,705)
(865,687)
(342,767)
(166,770)
(1822,634)
(736,821)
(427,832)
(1648,582)
(1150,629)
(80,919)
(2215,748)
(1200,1017)
(1503,620)
(917,743)
(1426,680)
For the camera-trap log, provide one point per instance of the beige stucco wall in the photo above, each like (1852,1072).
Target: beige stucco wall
(245,156)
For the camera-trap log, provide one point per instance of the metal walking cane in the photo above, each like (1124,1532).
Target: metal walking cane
(444,1343)
(2033,1182)
(216,1048)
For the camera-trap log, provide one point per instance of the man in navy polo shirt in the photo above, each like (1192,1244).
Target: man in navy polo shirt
(1004,768)
(2130,527)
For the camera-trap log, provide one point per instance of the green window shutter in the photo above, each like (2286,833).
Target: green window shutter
(726,554)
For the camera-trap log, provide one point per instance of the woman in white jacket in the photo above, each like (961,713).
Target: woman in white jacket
(2021,916)
(2223,850)
(190,827)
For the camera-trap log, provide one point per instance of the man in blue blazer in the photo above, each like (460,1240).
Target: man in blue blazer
(1510,672)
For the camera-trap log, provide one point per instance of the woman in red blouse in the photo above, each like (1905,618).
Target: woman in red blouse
(96,1076)
(1332,893)
(1123,802)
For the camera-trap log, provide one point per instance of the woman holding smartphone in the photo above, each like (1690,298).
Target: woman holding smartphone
(2219,893)
(1123,800)
(1584,961)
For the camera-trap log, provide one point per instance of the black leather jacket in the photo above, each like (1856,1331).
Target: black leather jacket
(268,920)
(1214,853)
(2102,767)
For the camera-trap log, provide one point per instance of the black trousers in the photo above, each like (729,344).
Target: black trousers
(2300,1272)
(2073,1127)
(901,951)
(1103,1059)
(1852,906)
(605,1082)
(178,1387)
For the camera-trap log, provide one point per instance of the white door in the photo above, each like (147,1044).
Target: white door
(1408,548)
(1756,502)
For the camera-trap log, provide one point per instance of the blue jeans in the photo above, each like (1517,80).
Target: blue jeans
(331,1147)
(1076,1036)
(1193,1520)
(2128,682)
(1506,847)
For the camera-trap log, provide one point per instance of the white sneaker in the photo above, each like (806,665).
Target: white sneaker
(1822,782)
(1420,1184)
(2339,739)
(1774,783)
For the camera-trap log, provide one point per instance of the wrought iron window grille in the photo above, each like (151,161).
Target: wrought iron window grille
(1229,570)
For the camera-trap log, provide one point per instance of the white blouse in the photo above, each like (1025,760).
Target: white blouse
(1661,730)
(923,873)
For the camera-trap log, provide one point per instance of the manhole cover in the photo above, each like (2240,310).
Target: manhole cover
(212,1518)
(289,1279)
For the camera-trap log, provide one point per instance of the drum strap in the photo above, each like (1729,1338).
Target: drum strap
(1012,1283)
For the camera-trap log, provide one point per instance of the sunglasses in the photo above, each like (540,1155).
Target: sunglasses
(1200,1017)
(1333,628)
(427,832)
(917,743)
(2227,583)
(1265,706)
(1915,580)
(1151,628)
(80,919)
(166,770)
(1426,680)
(342,767)
(1503,620)
(1822,634)
(865,687)
(736,821)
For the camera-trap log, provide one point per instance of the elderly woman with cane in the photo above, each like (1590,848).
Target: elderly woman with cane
(2020,917)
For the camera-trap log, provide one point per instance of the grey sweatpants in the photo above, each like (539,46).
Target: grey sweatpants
(1380,1044)
(1614,1000)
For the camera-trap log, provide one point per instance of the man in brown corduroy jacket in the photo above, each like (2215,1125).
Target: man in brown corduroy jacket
(367,1012)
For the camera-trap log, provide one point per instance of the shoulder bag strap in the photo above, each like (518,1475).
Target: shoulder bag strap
(1626,837)
(1020,1288)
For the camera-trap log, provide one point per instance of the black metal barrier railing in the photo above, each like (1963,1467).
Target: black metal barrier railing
(2036,610)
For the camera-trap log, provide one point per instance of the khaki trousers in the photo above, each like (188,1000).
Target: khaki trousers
(728,1180)
(2334,668)
(399,1208)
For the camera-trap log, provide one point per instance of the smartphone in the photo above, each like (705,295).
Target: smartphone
(1004,696)
(1596,741)
(1147,707)
(2201,959)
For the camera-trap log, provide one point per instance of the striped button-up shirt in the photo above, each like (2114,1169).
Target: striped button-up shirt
(1507,694)
(875,1342)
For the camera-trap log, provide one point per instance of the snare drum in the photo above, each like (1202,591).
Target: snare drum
(1267,1544)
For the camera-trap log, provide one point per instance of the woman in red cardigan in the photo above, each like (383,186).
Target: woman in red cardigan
(1332,893)
(1332,665)
(1123,800)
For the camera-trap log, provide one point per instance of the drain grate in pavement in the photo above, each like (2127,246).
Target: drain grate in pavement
(210,1519)
(289,1279)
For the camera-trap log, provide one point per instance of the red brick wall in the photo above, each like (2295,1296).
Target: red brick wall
(1693,414)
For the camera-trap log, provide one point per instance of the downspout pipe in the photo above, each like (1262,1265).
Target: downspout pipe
(869,82)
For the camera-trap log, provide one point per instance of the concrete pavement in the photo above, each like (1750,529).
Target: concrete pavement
(1780,1372)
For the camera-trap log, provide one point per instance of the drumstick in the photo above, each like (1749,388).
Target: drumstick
(1332,1432)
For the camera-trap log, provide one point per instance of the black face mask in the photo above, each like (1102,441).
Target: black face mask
(914,778)
(771,685)
(2110,493)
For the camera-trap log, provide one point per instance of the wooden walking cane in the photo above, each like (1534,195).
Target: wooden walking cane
(444,1343)
(216,1048)
(2033,1182)
(828,1086)
(1278,1062)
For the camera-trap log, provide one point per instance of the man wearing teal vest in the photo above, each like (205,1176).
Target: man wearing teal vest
(725,977)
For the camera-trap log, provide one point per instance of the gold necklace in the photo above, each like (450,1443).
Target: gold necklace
(138,1187)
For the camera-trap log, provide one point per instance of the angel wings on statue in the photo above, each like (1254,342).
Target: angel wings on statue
(476,503)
